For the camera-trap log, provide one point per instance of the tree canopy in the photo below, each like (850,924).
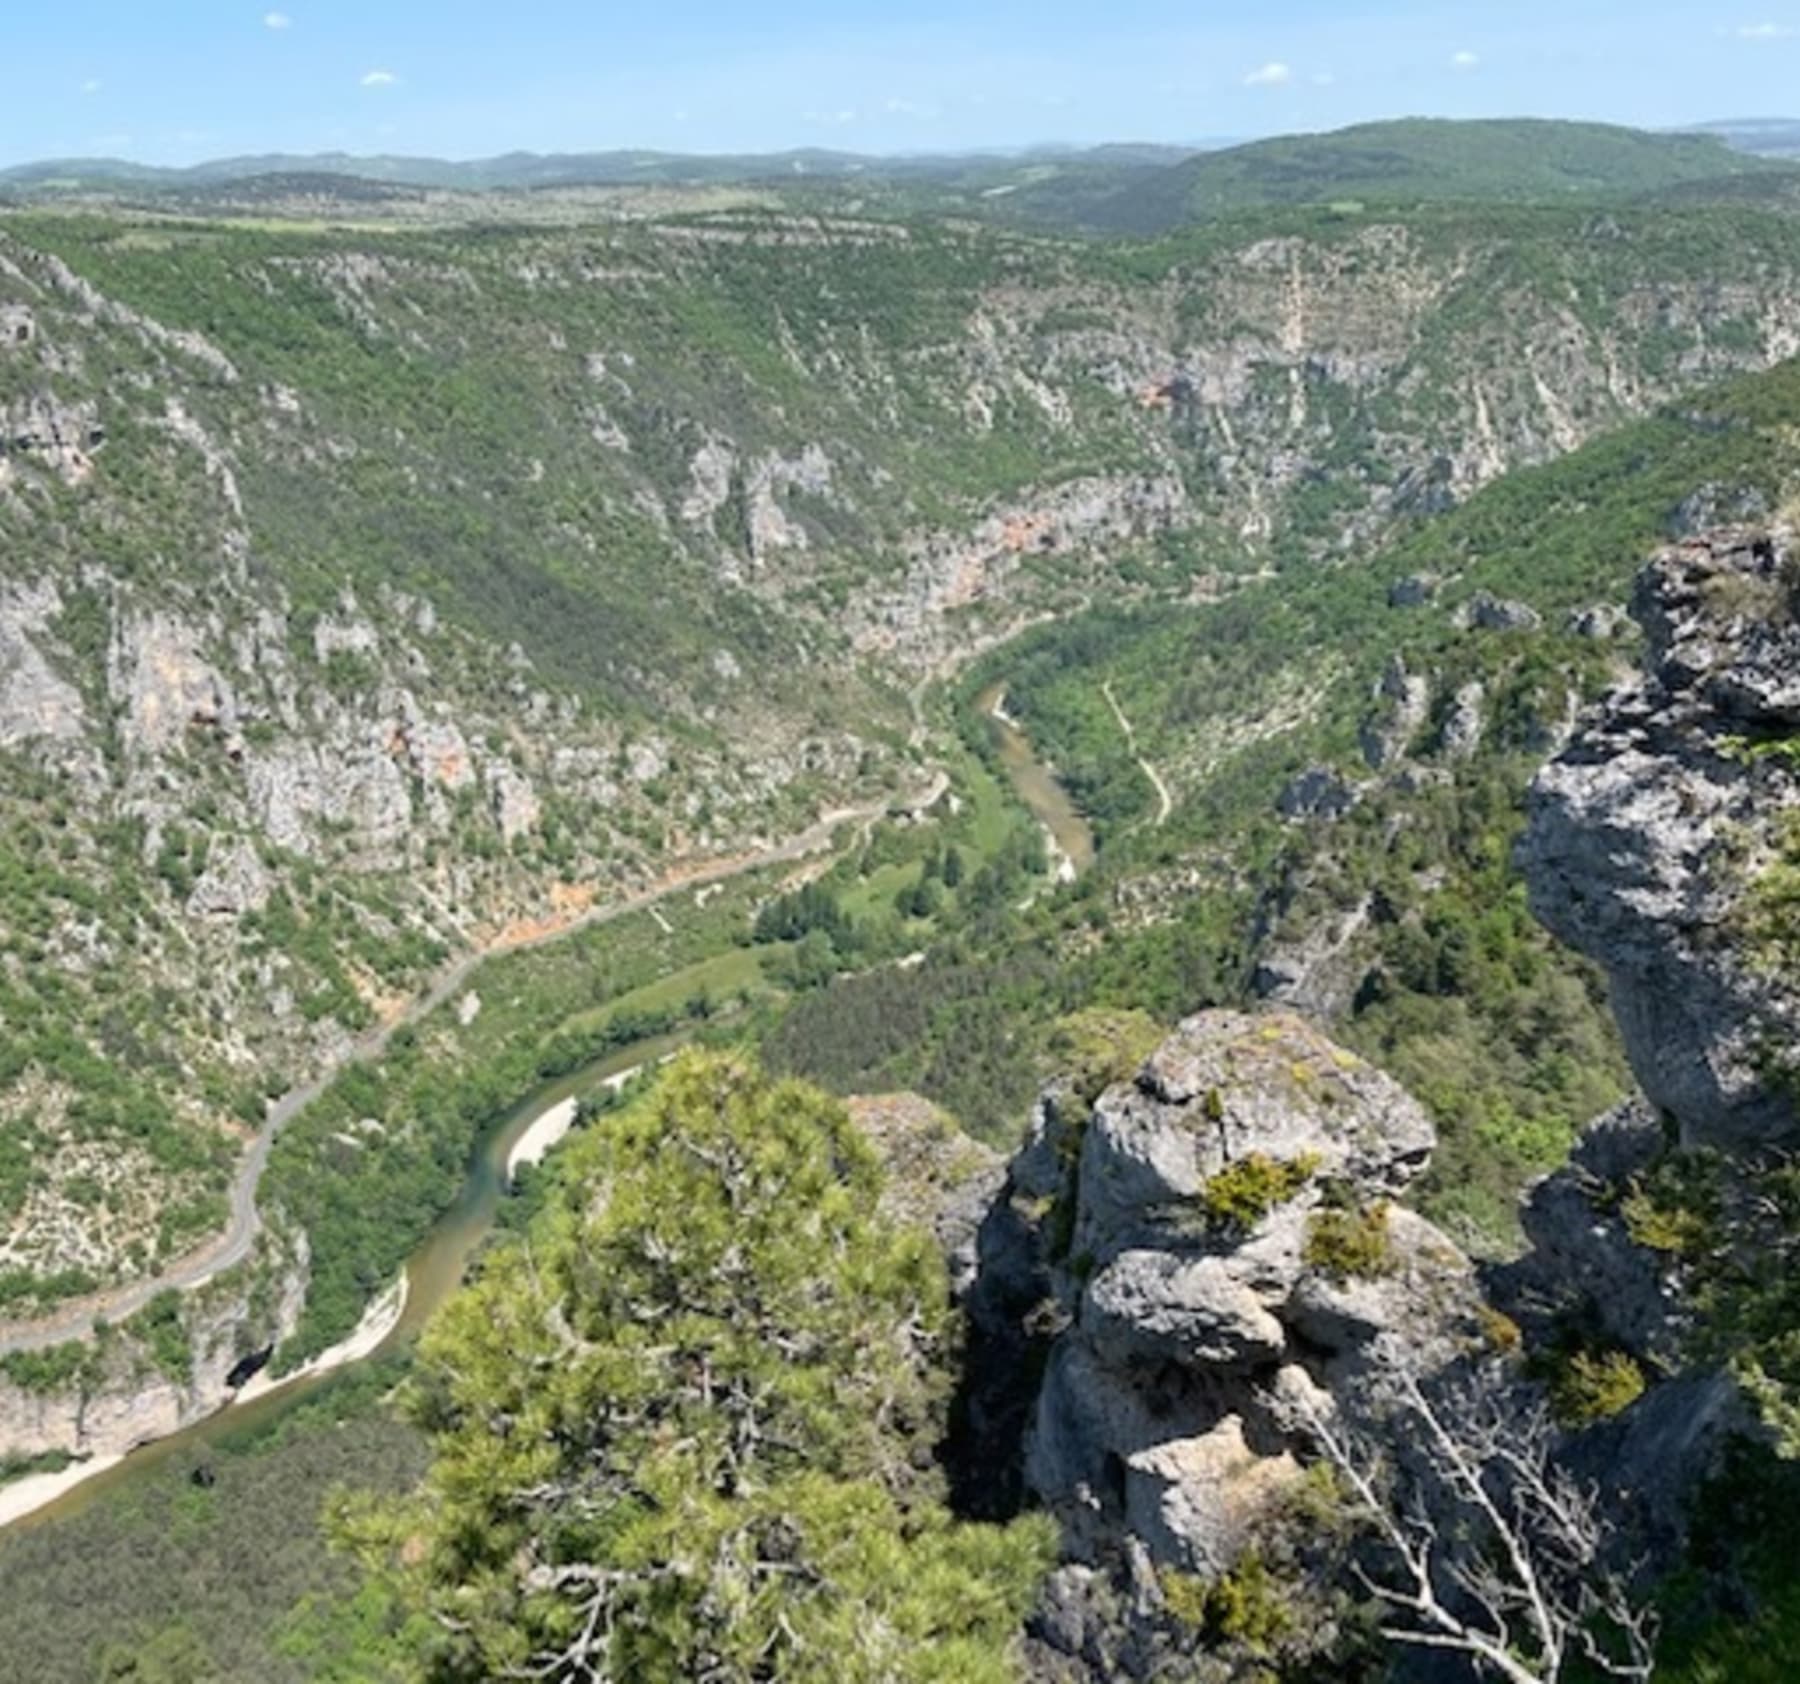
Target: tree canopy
(684,1427)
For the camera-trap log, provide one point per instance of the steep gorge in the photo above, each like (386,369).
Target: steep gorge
(366,596)
(1208,1250)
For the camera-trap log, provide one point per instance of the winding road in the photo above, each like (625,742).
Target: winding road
(1167,803)
(232,1246)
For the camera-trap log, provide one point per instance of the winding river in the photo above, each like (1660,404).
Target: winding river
(438,1266)
(433,1272)
(1071,836)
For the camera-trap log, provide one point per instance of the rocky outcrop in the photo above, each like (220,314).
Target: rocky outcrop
(1317,793)
(1414,591)
(35,700)
(1467,721)
(1651,837)
(1171,1244)
(1600,623)
(513,801)
(1486,612)
(1583,1262)
(63,437)
(952,572)
(159,672)
(1661,842)
(1402,702)
(1319,971)
(356,787)
(127,1397)
(1713,506)
(235,882)
(937,1177)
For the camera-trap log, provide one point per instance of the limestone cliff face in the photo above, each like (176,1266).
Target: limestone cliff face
(1652,835)
(125,1398)
(1170,1257)
(1659,843)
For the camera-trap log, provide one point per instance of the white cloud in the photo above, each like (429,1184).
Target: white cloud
(1465,60)
(1323,79)
(1271,75)
(277,20)
(380,79)
(1765,31)
(90,86)
(832,119)
(908,108)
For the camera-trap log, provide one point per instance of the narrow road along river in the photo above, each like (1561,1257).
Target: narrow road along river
(437,1268)
(226,1250)
(433,1272)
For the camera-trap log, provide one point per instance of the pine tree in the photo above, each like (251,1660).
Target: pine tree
(684,1427)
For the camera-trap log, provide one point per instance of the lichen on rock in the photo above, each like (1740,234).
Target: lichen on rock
(1183,1312)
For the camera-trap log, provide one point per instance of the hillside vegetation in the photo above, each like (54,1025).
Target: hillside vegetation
(375,598)
(1415,161)
(381,597)
(1393,906)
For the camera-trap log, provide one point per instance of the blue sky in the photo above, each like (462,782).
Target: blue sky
(174,81)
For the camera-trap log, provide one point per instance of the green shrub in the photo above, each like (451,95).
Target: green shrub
(1674,1206)
(1679,1231)
(1500,1332)
(56,1368)
(164,1332)
(1590,1386)
(1102,1045)
(739,1268)
(1351,1244)
(1244,1192)
(23,1467)
(1247,1606)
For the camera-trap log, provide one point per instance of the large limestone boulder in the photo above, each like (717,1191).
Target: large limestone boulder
(1150,1306)
(1228,1085)
(1172,1231)
(1169,1466)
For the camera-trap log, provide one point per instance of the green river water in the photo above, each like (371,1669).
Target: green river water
(1035,784)
(438,1267)
(433,1272)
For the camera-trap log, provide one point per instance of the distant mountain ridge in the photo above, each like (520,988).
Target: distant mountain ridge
(1127,188)
(1409,161)
(533,169)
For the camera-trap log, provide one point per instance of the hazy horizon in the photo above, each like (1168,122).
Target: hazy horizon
(204,79)
(998,149)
